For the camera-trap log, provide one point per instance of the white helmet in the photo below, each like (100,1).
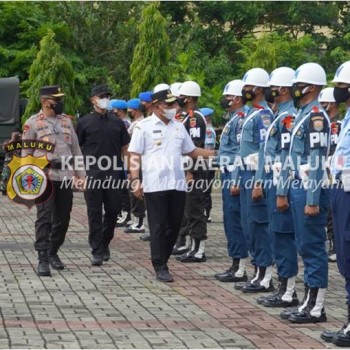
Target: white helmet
(342,75)
(174,88)
(310,73)
(189,88)
(160,87)
(326,95)
(256,77)
(282,76)
(234,88)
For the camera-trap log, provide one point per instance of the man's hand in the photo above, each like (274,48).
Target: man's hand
(257,193)
(136,188)
(234,190)
(189,178)
(282,203)
(311,210)
(79,183)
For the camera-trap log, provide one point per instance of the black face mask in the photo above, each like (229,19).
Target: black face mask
(269,96)
(225,103)
(142,108)
(341,95)
(297,92)
(58,107)
(181,102)
(248,95)
(130,115)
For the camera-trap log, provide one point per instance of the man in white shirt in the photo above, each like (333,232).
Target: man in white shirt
(159,142)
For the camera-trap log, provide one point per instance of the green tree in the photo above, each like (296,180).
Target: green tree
(150,63)
(51,68)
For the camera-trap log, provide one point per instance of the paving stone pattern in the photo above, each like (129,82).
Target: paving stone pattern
(121,305)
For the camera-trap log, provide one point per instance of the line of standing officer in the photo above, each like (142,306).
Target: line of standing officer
(340,199)
(237,249)
(309,199)
(254,216)
(271,157)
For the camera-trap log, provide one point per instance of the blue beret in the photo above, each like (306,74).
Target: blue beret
(134,103)
(145,96)
(206,111)
(117,104)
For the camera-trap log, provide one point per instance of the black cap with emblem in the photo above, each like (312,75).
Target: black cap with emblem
(163,96)
(52,91)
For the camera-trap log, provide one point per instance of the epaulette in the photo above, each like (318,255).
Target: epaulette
(315,109)
(258,106)
(241,114)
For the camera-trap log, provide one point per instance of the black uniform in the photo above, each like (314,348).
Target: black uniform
(102,136)
(195,220)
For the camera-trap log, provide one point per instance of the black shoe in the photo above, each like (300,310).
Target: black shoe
(305,317)
(285,314)
(180,249)
(328,335)
(97,260)
(44,265)
(191,258)
(145,237)
(55,262)
(229,276)
(256,287)
(342,339)
(239,285)
(106,254)
(277,301)
(164,276)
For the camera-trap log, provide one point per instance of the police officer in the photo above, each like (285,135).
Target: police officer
(237,249)
(120,109)
(309,199)
(326,98)
(270,163)
(136,113)
(156,140)
(103,139)
(340,199)
(146,100)
(254,216)
(195,125)
(209,143)
(53,216)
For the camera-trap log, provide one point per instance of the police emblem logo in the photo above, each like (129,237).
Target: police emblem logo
(317,123)
(28,183)
(193,122)
(266,120)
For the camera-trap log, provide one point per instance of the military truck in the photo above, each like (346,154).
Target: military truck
(11,109)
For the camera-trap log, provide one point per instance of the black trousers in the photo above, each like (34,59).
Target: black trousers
(165,211)
(101,227)
(208,204)
(53,218)
(138,206)
(194,208)
(125,199)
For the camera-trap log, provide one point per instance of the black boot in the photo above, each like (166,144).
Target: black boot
(240,285)
(236,273)
(260,283)
(44,265)
(285,295)
(55,262)
(196,254)
(182,246)
(314,311)
(285,314)
(342,337)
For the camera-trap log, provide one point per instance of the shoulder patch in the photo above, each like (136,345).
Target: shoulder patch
(317,122)
(288,122)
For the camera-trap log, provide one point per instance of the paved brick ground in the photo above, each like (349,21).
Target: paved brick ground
(121,305)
